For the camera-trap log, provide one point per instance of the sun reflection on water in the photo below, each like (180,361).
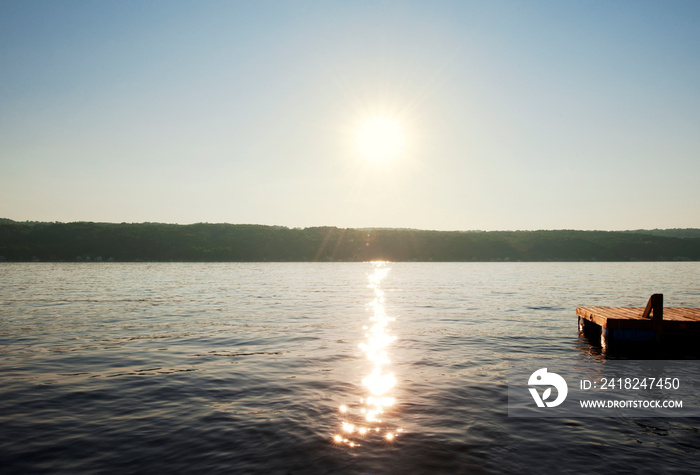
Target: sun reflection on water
(364,419)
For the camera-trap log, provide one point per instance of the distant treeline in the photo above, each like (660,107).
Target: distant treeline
(86,241)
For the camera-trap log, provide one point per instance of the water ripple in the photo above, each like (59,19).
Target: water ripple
(243,368)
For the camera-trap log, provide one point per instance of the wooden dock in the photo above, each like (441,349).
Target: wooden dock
(653,324)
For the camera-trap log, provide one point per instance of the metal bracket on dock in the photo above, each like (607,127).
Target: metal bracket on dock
(655,310)
(655,307)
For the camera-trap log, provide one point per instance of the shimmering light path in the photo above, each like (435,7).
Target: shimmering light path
(366,419)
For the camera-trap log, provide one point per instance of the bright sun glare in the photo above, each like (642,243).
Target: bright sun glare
(380,139)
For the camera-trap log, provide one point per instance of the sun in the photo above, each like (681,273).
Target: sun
(380,139)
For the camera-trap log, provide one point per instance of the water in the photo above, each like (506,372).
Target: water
(254,368)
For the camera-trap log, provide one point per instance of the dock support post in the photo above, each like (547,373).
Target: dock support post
(588,328)
(604,339)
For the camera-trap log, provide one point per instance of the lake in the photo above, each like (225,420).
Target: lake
(313,367)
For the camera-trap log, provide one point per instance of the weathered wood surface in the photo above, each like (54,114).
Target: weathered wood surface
(674,319)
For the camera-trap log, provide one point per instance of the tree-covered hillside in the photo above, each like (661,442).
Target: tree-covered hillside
(84,241)
(676,232)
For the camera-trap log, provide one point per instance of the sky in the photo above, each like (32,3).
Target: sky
(513,115)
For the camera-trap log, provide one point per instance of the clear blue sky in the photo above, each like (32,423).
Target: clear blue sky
(517,115)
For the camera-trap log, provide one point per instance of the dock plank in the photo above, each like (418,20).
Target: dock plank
(603,314)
